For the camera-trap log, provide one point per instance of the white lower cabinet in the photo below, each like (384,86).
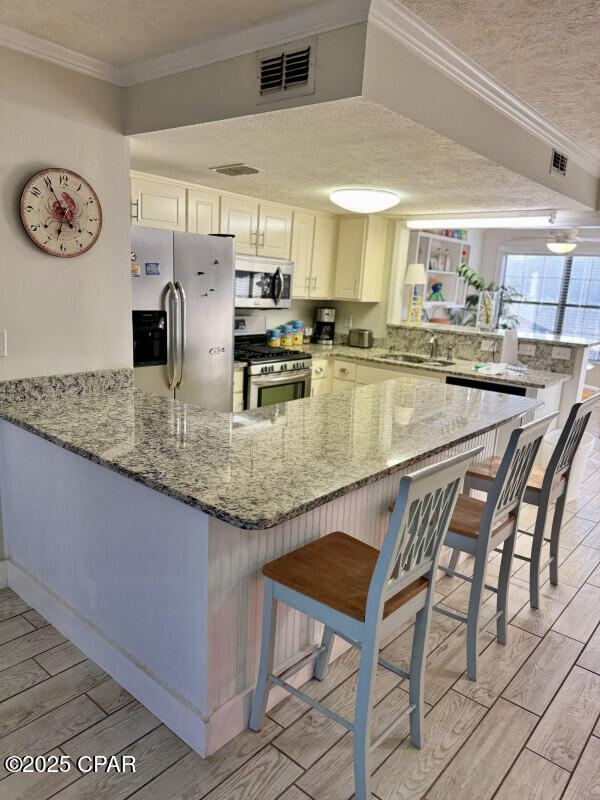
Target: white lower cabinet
(339,385)
(320,386)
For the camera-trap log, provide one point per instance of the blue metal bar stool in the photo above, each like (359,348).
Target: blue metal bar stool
(478,527)
(544,487)
(362,595)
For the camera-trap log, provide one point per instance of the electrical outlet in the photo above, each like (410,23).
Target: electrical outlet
(561,353)
(488,344)
(527,349)
(3,344)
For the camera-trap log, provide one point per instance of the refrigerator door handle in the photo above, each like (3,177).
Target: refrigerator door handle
(182,336)
(173,315)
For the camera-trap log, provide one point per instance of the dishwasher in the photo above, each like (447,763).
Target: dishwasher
(491,386)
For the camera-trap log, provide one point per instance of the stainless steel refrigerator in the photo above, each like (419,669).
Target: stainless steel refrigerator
(190,277)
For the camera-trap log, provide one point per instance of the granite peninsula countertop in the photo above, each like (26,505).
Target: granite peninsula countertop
(533,378)
(255,469)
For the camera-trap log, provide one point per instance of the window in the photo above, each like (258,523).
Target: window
(561,294)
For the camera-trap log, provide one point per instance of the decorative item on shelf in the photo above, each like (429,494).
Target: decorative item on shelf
(415,276)
(436,295)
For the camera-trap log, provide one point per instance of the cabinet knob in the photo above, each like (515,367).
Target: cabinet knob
(318,370)
(344,370)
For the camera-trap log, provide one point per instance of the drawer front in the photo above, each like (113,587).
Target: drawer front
(344,370)
(238,380)
(320,368)
(375,374)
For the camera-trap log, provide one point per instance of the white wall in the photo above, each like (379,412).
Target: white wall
(73,314)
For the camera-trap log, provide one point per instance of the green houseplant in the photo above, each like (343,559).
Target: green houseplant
(467,315)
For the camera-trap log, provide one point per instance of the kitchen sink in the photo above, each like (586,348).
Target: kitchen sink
(409,358)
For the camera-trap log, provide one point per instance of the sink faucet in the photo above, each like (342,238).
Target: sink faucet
(433,346)
(495,348)
(449,352)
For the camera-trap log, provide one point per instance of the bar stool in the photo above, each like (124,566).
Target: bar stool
(362,595)
(477,527)
(544,487)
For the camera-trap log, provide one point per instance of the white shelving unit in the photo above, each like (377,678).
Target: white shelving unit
(426,247)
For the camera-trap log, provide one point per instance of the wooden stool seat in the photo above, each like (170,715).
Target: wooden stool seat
(486,471)
(336,570)
(467,517)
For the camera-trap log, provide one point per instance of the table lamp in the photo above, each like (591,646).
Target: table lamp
(415,276)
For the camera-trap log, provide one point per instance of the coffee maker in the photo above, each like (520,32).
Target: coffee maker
(324,327)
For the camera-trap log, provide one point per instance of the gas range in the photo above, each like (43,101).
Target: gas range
(262,359)
(273,374)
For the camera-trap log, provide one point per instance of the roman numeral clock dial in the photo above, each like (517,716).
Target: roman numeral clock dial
(61,212)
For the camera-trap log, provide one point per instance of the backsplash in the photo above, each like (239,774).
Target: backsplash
(469,346)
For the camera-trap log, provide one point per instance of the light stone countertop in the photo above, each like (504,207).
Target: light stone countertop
(255,469)
(533,378)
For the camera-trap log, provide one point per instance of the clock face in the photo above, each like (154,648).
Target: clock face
(61,212)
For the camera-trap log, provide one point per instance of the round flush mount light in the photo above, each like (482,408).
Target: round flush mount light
(561,248)
(364,201)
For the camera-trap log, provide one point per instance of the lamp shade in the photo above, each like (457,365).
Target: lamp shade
(415,274)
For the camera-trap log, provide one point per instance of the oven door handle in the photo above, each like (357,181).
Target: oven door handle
(295,376)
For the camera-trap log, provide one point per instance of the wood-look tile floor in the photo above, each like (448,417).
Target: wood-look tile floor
(529,728)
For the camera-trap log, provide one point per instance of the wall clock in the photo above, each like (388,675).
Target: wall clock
(61,212)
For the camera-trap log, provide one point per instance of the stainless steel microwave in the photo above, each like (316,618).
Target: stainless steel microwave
(263,282)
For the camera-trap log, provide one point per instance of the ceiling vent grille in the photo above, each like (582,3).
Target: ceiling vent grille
(558,164)
(286,73)
(233,170)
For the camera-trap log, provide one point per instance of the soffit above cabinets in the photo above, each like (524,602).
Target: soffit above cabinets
(546,53)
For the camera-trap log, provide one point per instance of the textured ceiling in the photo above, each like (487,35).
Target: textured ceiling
(545,52)
(124,32)
(305,153)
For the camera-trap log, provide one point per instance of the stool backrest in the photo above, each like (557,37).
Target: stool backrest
(416,528)
(570,438)
(506,492)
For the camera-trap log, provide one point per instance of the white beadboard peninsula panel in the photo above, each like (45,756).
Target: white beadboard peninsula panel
(235,581)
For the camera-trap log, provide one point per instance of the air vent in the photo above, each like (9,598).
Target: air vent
(558,165)
(234,169)
(286,73)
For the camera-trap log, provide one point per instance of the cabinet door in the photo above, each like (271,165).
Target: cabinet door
(238,401)
(324,255)
(239,216)
(371,284)
(157,205)
(202,212)
(320,387)
(303,228)
(341,386)
(350,255)
(274,231)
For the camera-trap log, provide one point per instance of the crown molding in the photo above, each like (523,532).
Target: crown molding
(62,56)
(407,28)
(318,18)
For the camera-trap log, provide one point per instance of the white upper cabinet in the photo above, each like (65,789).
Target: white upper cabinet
(360,258)
(157,204)
(303,232)
(324,257)
(274,231)
(239,216)
(203,211)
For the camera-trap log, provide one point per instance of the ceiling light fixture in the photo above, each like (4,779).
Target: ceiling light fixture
(561,248)
(364,201)
(544,221)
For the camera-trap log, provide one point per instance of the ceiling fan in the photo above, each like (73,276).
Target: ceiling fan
(562,242)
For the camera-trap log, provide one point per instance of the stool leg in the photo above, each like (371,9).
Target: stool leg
(474,614)
(454,559)
(537,544)
(362,720)
(559,510)
(417,671)
(267,653)
(503,586)
(322,661)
